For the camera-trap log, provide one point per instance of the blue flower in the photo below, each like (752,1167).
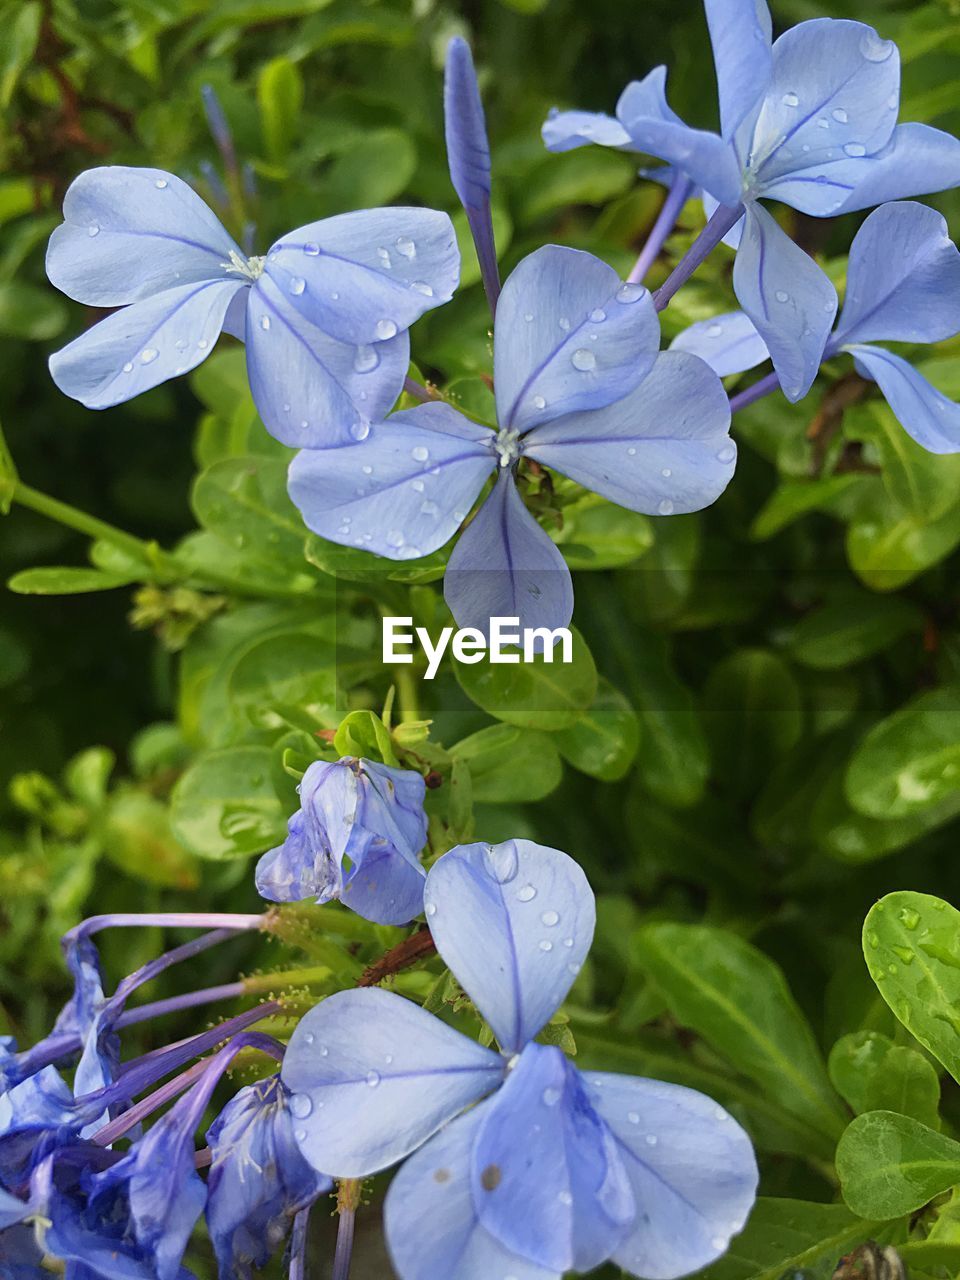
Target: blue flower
(370,815)
(579,387)
(324,314)
(551,1169)
(809,120)
(903,285)
(258,1179)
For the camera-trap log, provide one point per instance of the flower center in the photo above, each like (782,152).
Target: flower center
(507,446)
(252,268)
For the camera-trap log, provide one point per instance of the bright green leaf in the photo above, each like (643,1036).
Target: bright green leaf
(889,1165)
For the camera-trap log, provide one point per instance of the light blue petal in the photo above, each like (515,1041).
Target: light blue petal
(924,412)
(374,1076)
(403,491)
(387,888)
(834,92)
(569,335)
(663,449)
(131,233)
(706,158)
(364,276)
(434,1187)
(506,566)
(692,1167)
(789,299)
(741,32)
(728,343)
(565,130)
(917,160)
(548,1179)
(143,345)
(903,278)
(311,390)
(514,923)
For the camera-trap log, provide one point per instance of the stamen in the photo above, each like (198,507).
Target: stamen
(507,446)
(251,268)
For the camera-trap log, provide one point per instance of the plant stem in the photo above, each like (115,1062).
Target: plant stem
(406,684)
(677,197)
(298,1246)
(348,1198)
(757,391)
(416,389)
(723,219)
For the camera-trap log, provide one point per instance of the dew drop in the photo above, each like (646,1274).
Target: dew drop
(633,1117)
(909,917)
(160,184)
(429,508)
(666,473)
(385,329)
(502,863)
(529,317)
(790,100)
(598,316)
(715,331)
(550,918)
(651,1139)
(373,1079)
(782,296)
(823,122)
(546,945)
(203,344)
(301,1105)
(839,115)
(264,322)
(526,894)
(395,539)
(565,1198)
(419,453)
(539,402)
(360,430)
(181,344)
(719,1242)
(297,285)
(93,229)
(309,1037)
(367,470)
(417,486)
(384,257)
(551,1096)
(873,48)
(366,359)
(727,453)
(148,355)
(855,150)
(421,286)
(630,292)
(300,1135)
(431,908)
(564,324)
(311,249)
(583,360)
(666,507)
(406,247)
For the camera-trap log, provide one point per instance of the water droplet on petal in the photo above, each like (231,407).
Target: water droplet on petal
(855,150)
(551,1096)
(598,316)
(366,359)
(823,122)
(666,473)
(300,1135)
(715,331)
(385,329)
(421,286)
(790,100)
(632,451)
(309,1037)
(264,322)
(373,1079)
(839,115)
(406,247)
(545,945)
(565,1198)
(93,229)
(529,317)
(564,323)
(539,402)
(160,184)
(550,918)
(297,285)
(203,344)
(419,453)
(782,296)
(633,1117)
(630,292)
(148,355)
(431,908)
(583,360)
(666,507)
(727,453)
(301,1105)
(395,539)
(360,430)
(311,249)
(367,471)
(526,894)
(873,48)
(181,344)
(651,1139)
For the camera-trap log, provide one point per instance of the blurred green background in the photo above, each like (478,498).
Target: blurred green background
(774,740)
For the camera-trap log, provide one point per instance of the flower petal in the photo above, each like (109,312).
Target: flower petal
(709,160)
(834,91)
(727,343)
(374,1076)
(403,491)
(548,1179)
(663,449)
(566,130)
(514,922)
(740,33)
(434,1187)
(903,278)
(131,233)
(364,276)
(386,888)
(926,415)
(692,1168)
(569,335)
(506,566)
(789,299)
(141,346)
(311,390)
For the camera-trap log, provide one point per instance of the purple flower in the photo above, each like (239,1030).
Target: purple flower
(580,388)
(809,120)
(367,814)
(550,1170)
(903,285)
(258,1179)
(324,313)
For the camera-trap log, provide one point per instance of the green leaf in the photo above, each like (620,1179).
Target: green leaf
(673,757)
(910,761)
(791,1238)
(354,565)
(244,501)
(225,805)
(889,1165)
(30,312)
(911,942)
(137,837)
(753,714)
(280,98)
(874,1074)
(590,176)
(923,484)
(887,549)
(794,499)
(364,734)
(88,775)
(853,627)
(603,742)
(287,679)
(8,476)
(738,1000)
(376,168)
(65,580)
(510,765)
(597,534)
(19,45)
(533,695)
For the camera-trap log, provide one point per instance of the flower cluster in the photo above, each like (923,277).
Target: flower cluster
(519,1165)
